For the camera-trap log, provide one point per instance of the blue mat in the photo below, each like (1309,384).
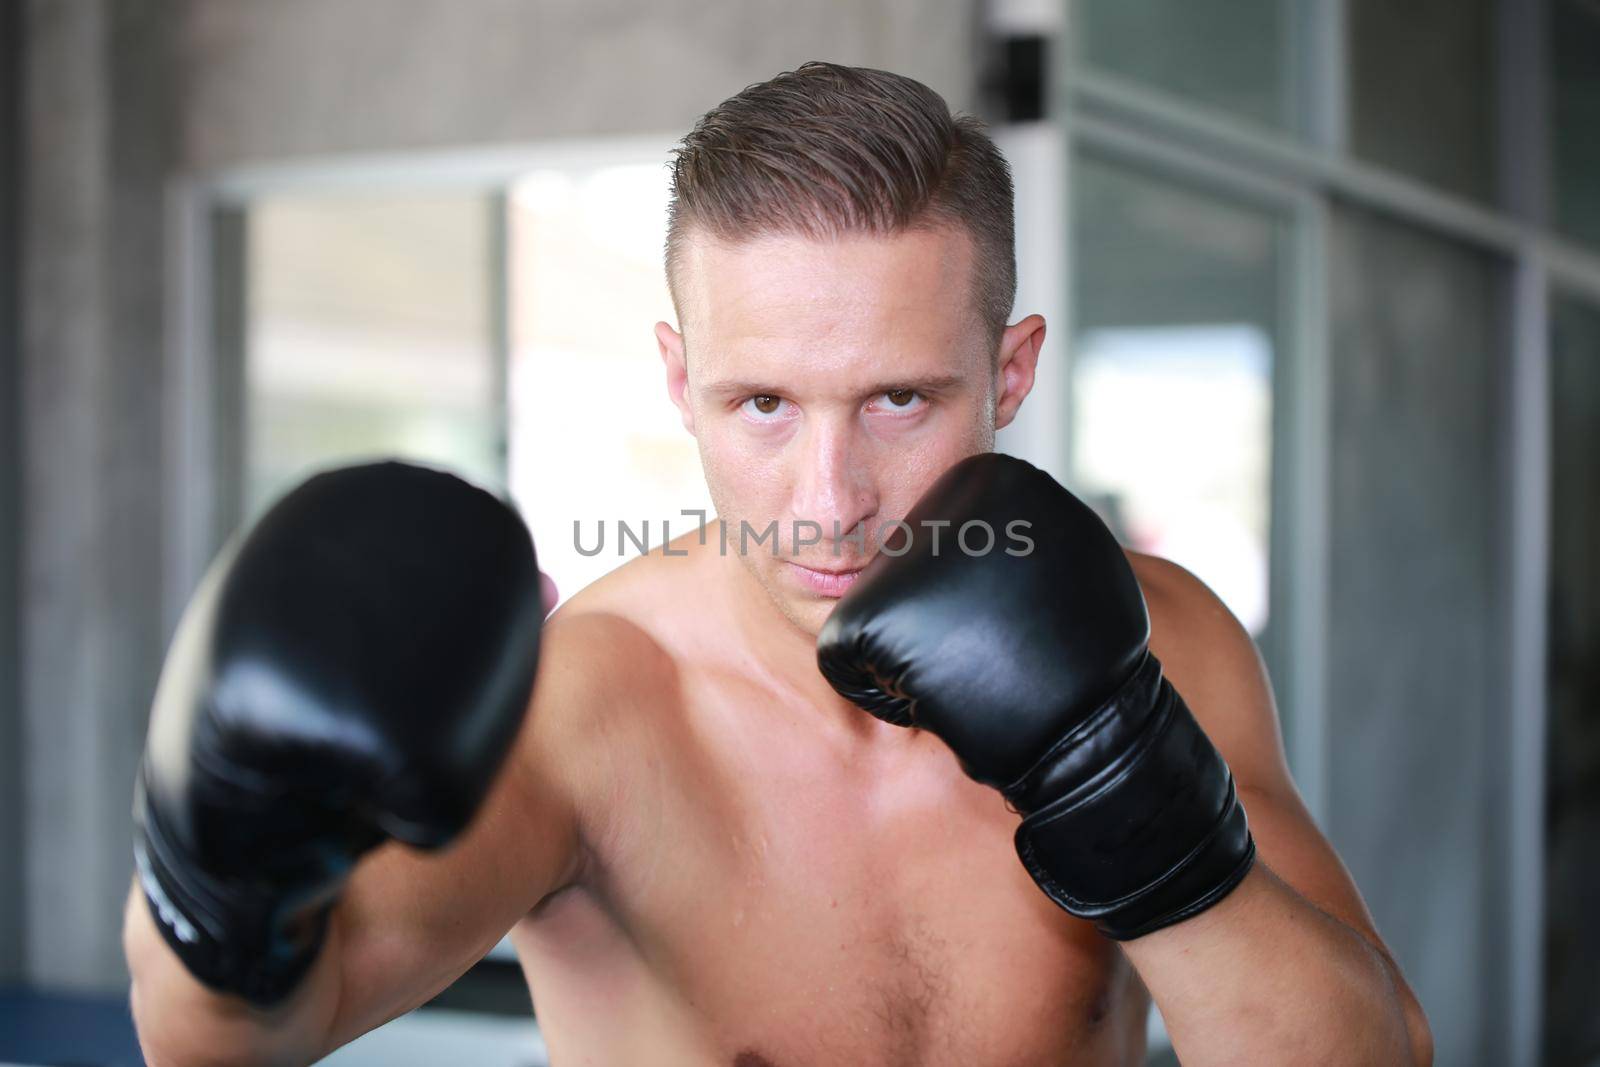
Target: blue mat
(67,1031)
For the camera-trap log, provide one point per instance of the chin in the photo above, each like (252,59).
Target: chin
(805,612)
(812,614)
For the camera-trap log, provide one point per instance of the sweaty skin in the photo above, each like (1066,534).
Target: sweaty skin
(706,856)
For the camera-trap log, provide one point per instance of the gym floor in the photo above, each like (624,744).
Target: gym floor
(78,1031)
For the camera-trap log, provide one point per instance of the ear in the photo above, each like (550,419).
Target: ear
(670,342)
(1019,356)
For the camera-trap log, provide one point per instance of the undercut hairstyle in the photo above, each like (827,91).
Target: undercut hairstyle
(827,151)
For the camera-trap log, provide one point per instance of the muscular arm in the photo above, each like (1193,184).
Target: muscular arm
(1289,967)
(409,923)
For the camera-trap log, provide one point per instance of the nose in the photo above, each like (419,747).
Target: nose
(834,490)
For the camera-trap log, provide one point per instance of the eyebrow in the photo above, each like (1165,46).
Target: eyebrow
(931,383)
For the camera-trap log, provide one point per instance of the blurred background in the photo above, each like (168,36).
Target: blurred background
(1323,284)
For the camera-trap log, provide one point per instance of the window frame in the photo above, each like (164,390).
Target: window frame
(1306,168)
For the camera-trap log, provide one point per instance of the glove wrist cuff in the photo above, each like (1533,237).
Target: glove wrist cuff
(1134,821)
(1092,748)
(232,938)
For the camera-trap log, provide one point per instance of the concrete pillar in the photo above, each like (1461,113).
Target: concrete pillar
(10,440)
(94,147)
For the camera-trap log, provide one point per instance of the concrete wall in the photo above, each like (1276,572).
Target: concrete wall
(313,77)
(125,94)
(10,437)
(92,478)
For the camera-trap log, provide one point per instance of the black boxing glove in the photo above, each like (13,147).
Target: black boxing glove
(1031,661)
(353,670)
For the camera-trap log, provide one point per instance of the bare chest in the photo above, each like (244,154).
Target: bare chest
(770,905)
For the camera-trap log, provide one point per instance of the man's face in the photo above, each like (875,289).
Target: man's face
(828,383)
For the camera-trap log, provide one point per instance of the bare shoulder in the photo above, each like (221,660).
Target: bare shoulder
(609,689)
(601,671)
(623,631)
(1211,659)
(1182,606)
(657,592)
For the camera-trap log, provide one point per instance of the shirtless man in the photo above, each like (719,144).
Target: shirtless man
(703,852)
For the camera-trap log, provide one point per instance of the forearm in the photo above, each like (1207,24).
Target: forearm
(180,1022)
(1265,977)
